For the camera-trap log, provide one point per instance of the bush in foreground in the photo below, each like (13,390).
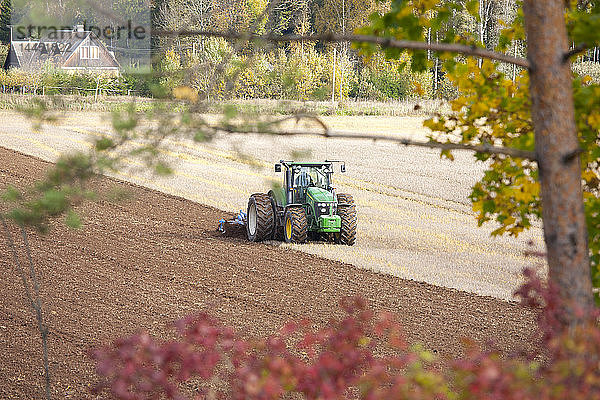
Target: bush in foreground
(360,355)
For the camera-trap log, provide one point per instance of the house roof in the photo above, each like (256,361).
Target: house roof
(56,47)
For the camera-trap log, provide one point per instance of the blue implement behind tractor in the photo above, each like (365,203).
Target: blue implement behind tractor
(233,227)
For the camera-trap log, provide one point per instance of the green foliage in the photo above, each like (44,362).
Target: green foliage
(307,75)
(411,20)
(10,194)
(493,109)
(342,15)
(38,112)
(289,16)
(303,73)
(240,14)
(61,190)
(65,185)
(73,220)
(104,144)
(583,23)
(162,169)
(383,79)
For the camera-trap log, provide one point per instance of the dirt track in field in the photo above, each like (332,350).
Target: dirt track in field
(150,260)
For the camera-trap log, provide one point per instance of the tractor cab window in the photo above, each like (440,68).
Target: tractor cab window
(311,176)
(320,177)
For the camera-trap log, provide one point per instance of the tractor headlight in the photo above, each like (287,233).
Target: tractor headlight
(322,207)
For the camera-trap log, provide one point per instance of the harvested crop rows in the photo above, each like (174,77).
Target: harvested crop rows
(154,258)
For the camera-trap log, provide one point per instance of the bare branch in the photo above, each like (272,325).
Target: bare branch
(11,245)
(386,42)
(482,148)
(582,48)
(43,329)
(35,302)
(300,116)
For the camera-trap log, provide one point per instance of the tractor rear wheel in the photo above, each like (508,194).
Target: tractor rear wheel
(295,225)
(260,219)
(277,222)
(347,213)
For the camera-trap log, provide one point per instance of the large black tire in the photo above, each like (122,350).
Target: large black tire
(260,219)
(277,221)
(347,212)
(295,225)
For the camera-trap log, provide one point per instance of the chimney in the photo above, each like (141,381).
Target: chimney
(79,28)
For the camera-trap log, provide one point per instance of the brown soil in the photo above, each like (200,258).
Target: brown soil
(145,262)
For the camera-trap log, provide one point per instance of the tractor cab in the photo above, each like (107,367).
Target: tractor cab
(305,206)
(304,181)
(309,180)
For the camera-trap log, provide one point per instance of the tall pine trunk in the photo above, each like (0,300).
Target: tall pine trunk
(557,148)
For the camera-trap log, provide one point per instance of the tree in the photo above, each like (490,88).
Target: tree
(557,147)
(343,16)
(549,113)
(289,16)
(552,118)
(556,141)
(5,9)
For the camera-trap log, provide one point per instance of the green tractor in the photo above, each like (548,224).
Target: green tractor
(306,207)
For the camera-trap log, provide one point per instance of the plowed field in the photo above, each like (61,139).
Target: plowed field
(147,261)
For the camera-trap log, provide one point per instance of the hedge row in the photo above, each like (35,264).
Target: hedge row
(61,82)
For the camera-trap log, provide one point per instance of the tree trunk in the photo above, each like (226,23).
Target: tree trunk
(557,148)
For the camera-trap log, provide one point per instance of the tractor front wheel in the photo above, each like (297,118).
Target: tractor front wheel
(260,221)
(347,213)
(295,225)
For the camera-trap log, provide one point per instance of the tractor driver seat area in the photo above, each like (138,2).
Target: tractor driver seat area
(301,182)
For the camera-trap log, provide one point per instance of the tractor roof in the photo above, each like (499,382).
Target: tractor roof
(308,164)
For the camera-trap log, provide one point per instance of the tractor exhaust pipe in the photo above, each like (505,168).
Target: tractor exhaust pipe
(288,184)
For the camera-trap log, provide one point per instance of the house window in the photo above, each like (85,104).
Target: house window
(89,52)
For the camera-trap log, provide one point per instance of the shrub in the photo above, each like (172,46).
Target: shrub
(345,358)
(447,90)
(171,71)
(136,83)
(383,79)
(56,81)
(204,77)
(250,77)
